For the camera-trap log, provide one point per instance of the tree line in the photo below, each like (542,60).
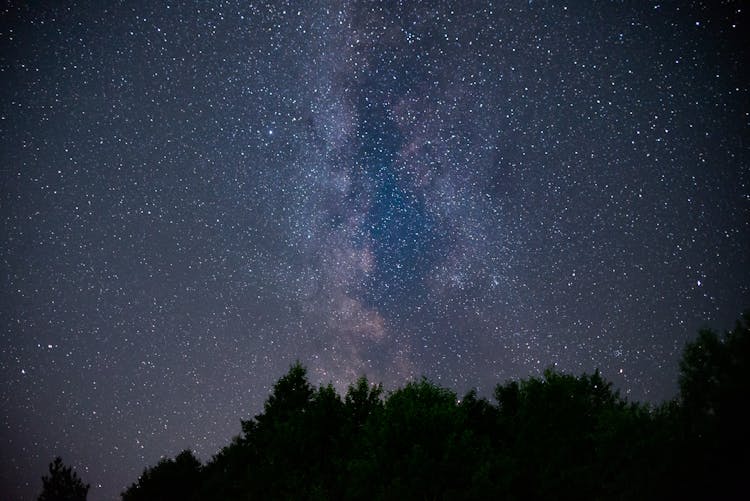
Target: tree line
(557,436)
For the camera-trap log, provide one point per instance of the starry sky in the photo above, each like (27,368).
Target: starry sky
(195,195)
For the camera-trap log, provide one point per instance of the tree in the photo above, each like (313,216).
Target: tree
(171,479)
(411,445)
(291,395)
(62,484)
(715,376)
(362,400)
(714,388)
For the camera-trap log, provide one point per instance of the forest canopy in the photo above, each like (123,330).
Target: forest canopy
(557,436)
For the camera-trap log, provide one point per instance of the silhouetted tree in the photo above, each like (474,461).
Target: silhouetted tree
(62,484)
(714,391)
(225,476)
(293,448)
(175,479)
(362,400)
(715,377)
(290,396)
(409,446)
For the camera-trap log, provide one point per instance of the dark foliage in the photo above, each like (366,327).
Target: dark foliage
(62,484)
(553,437)
(175,479)
(715,410)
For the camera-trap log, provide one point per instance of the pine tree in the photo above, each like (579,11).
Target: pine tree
(62,484)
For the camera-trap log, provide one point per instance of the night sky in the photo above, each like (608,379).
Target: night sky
(196,195)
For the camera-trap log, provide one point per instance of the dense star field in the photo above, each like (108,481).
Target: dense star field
(196,195)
